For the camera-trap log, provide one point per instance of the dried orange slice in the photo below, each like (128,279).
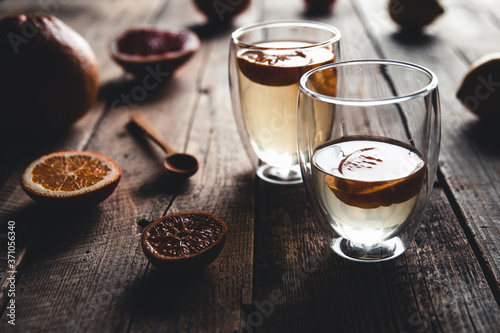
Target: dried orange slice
(184,241)
(72,179)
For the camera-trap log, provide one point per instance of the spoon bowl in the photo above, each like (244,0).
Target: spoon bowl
(179,164)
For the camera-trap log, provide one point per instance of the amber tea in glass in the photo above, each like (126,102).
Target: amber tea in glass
(368,135)
(266,63)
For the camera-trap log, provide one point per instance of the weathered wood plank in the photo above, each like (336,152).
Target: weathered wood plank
(31,219)
(311,289)
(436,286)
(223,186)
(475,41)
(488,9)
(470,167)
(102,255)
(87,273)
(19,151)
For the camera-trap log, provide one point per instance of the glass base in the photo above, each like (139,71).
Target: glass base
(281,176)
(383,251)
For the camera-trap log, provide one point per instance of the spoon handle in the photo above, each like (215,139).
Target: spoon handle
(147,129)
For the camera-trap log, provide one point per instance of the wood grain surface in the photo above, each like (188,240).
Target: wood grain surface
(85,271)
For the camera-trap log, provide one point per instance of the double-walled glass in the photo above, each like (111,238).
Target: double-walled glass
(266,61)
(368,139)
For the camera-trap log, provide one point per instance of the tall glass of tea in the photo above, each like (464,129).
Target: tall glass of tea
(369,135)
(266,61)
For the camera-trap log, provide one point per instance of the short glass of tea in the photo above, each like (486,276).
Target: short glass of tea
(368,136)
(266,61)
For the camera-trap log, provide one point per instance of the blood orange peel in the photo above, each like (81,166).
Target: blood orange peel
(184,241)
(163,50)
(71,179)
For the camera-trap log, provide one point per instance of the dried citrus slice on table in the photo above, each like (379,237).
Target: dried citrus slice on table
(184,241)
(71,179)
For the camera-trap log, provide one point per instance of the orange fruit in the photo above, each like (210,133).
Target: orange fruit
(50,74)
(71,179)
(184,241)
(413,15)
(479,90)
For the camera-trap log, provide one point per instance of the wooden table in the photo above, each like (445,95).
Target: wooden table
(85,271)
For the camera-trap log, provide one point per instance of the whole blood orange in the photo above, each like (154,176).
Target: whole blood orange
(413,15)
(71,179)
(184,241)
(49,74)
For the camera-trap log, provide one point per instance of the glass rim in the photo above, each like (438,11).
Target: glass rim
(286,23)
(370,102)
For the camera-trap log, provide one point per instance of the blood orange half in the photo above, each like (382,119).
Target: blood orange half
(146,50)
(184,241)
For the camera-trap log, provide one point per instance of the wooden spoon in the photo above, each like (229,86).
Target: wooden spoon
(179,164)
